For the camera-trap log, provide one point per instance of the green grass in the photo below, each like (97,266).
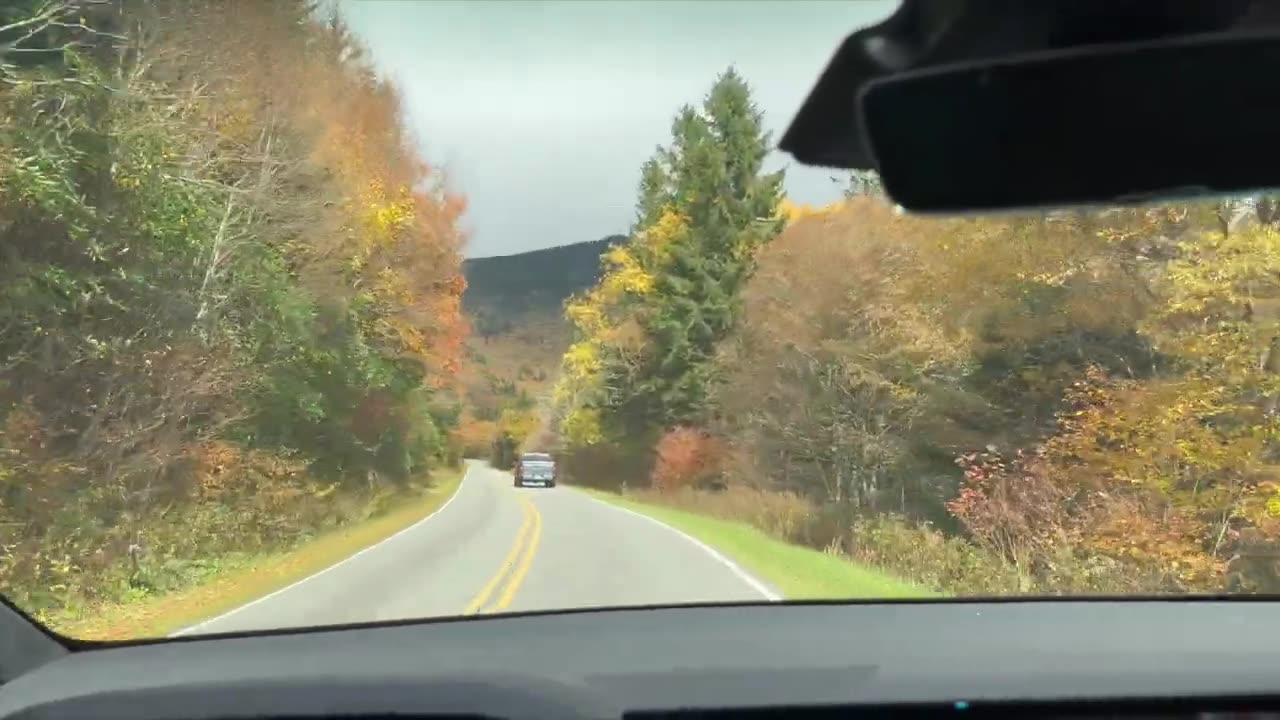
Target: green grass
(242,579)
(799,573)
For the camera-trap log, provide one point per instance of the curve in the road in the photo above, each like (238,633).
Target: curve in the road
(203,623)
(494,548)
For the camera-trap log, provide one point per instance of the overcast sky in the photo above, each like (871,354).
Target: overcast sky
(542,112)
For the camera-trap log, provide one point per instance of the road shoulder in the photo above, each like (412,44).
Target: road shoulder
(798,573)
(250,579)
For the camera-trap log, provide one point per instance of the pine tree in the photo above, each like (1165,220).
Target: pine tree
(711,175)
(655,194)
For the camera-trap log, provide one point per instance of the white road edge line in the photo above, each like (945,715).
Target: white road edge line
(734,567)
(313,576)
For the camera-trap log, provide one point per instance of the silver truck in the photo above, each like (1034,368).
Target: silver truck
(535,468)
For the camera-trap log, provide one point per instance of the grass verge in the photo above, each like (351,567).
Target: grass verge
(242,579)
(798,573)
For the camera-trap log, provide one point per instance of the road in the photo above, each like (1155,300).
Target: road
(497,548)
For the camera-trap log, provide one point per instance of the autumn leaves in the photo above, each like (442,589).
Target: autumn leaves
(1084,401)
(230,298)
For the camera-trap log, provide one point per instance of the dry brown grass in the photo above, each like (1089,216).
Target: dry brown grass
(784,516)
(911,551)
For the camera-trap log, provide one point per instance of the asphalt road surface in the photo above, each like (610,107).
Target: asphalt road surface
(496,548)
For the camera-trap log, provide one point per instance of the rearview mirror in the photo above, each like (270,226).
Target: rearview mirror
(1091,125)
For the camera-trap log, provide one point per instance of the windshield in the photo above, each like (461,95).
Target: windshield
(289,292)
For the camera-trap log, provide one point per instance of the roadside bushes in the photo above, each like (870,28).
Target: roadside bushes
(899,546)
(686,458)
(1055,404)
(604,466)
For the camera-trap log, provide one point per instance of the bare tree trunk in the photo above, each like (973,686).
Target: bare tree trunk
(215,258)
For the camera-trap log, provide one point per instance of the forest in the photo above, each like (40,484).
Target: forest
(231,320)
(230,293)
(1078,401)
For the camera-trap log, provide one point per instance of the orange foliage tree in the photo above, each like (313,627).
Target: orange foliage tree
(1107,379)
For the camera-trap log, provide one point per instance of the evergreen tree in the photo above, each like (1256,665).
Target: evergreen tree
(710,176)
(655,193)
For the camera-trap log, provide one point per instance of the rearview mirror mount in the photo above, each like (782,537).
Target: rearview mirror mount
(1093,125)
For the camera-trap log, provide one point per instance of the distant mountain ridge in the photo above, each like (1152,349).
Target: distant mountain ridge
(505,288)
(519,332)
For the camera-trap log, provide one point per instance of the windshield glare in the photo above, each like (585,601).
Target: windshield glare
(280,282)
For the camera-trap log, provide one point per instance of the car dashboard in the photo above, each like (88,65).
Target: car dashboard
(1054,658)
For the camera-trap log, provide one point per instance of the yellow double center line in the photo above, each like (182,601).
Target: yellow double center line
(514,566)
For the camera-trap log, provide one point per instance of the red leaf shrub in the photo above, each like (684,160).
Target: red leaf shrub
(686,457)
